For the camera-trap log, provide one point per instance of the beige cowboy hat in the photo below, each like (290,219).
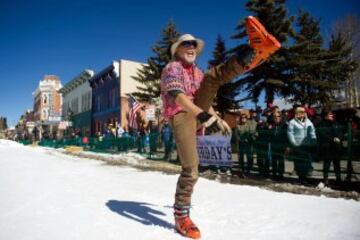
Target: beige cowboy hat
(187,37)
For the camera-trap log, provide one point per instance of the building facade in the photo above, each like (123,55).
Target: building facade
(77,97)
(47,99)
(109,94)
(47,106)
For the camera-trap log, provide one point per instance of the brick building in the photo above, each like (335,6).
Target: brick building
(47,102)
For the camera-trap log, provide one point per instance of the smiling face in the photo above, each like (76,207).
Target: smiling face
(187,52)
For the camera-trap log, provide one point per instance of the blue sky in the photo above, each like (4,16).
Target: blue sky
(65,37)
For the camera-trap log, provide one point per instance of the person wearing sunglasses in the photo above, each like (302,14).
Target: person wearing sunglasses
(187,94)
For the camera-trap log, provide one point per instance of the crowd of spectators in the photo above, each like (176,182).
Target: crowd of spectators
(301,135)
(263,140)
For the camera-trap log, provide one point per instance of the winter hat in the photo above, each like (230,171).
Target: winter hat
(187,37)
(300,110)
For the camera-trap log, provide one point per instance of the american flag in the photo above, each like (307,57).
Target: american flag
(134,106)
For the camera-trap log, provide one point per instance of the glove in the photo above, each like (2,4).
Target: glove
(210,122)
(224,127)
(213,124)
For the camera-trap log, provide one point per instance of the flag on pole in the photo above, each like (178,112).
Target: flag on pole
(134,106)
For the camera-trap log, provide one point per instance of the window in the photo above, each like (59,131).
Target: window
(45,98)
(98,103)
(85,102)
(89,101)
(45,114)
(75,105)
(110,99)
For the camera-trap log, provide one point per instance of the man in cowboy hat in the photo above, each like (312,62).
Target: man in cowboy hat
(187,95)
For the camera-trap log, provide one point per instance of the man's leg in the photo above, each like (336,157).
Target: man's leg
(260,158)
(184,127)
(326,168)
(281,164)
(214,78)
(274,163)
(249,157)
(241,155)
(337,169)
(262,45)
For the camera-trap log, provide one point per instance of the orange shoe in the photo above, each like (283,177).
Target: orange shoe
(186,227)
(261,41)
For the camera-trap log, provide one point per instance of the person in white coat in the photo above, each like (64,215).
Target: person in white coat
(302,138)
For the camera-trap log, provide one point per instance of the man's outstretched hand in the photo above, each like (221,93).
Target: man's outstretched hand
(212,124)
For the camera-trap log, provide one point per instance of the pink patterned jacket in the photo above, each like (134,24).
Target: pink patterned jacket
(176,76)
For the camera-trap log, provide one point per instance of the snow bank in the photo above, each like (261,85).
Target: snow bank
(8,143)
(54,196)
(129,159)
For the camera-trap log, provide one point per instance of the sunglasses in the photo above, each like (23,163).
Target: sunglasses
(188,44)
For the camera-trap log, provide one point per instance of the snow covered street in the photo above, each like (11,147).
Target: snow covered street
(46,195)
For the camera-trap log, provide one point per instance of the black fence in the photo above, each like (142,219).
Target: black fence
(265,156)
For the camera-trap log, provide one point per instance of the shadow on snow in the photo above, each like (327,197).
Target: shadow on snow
(140,212)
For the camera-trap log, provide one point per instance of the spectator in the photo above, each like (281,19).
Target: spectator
(258,112)
(252,124)
(285,116)
(302,138)
(153,131)
(99,136)
(278,144)
(330,139)
(310,112)
(262,147)
(35,134)
(167,138)
(243,138)
(119,130)
(267,116)
(253,115)
(126,132)
(109,132)
(141,138)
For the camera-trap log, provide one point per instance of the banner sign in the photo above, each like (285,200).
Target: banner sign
(214,150)
(150,114)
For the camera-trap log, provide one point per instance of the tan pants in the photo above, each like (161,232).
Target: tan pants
(184,128)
